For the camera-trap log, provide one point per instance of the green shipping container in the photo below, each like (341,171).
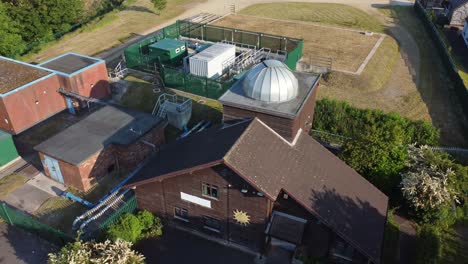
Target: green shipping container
(168,50)
(7,148)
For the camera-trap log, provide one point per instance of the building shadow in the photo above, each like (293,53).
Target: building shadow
(19,245)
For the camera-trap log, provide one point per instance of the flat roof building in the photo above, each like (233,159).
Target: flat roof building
(109,138)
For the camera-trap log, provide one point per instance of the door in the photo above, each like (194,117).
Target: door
(71,109)
(54,168)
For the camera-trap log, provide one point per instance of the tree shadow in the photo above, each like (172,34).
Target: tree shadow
(139,9)
(356,221)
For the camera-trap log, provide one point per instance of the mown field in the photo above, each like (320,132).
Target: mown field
(387,82)
(348,49)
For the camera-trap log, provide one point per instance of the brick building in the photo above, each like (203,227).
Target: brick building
(283,99)
(251,187)
(107,140)
(28,93)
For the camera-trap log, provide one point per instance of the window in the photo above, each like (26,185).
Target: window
(210,190)
(181,213)
(211,223)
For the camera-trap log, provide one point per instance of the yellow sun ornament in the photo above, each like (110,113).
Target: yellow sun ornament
(241,217)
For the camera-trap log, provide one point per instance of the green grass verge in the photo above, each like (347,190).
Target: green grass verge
(60,212)
(324,13)
(140,96)
(10,183)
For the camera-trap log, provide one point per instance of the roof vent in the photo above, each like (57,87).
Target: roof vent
(270,81)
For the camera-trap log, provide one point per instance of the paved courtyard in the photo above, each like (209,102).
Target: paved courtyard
(18,246)
(176,246)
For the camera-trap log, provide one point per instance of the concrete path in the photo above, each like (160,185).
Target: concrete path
(34,193)
(18,246)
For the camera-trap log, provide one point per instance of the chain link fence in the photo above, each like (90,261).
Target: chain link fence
(31,224)
(138,57)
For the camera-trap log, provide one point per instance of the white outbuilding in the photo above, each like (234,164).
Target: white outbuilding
(210,62)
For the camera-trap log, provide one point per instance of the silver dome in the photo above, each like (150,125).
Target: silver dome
(270,81)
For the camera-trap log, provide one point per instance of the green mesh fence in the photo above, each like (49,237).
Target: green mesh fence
(137,56)
(130,206)
(29,223)
(193,84)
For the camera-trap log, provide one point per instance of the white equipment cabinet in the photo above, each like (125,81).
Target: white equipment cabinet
(209,62)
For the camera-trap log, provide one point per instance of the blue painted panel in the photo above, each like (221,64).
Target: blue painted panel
(54,168)
(71,109)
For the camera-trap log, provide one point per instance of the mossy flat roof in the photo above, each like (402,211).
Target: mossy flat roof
(15,74)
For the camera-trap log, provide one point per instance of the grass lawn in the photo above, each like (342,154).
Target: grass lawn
(60,213)
(10,183)
(112,29)
(140,96)
(348,53)
(323,13)
(435,87)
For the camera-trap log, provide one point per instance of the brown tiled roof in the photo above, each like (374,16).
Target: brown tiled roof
(315,178)
(194,151)
(319,181)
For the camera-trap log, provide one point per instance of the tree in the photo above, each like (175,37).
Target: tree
(159,4)
(132,227)
(378,154)
(119,252)
(424,185)
(11,43)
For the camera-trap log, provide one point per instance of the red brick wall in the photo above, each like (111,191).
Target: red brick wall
(92,82)
(5,122)
(20,107)
(130,156)
(162,197)
(306,116)
(282,126)
(70,173)
(89,171)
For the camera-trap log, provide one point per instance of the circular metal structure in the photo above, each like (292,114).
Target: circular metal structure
(270,81)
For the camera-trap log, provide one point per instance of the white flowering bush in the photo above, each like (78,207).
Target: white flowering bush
(425,186)
(107,252)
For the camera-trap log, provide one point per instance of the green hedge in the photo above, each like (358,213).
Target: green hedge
(343,119)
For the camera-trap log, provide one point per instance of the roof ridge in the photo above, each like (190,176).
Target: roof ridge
(239,139)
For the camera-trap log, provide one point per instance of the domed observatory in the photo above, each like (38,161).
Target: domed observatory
(270,81)
(281,98)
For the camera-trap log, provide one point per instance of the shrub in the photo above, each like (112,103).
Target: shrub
(428,245)
(146,219)
(434,187)
(130,227)
(127,227)
(91,252)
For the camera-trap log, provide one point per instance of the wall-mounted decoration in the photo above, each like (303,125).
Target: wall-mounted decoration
(241,217)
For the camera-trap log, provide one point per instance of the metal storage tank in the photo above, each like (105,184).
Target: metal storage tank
(168,50)
(7,149)
(209,62)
